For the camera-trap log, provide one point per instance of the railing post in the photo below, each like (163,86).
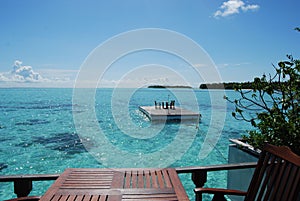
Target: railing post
(22,188)
(199,178)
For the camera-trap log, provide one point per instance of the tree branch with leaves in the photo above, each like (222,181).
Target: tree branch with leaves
(272,107)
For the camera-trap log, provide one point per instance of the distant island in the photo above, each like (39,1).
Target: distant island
(164,86)
(226,85)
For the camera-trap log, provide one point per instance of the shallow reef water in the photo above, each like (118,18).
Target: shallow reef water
(39,134)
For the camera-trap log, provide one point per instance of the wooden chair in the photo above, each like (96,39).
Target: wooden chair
(276,177)
(30,198)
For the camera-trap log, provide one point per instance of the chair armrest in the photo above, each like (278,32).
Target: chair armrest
(219,191)
(220,167)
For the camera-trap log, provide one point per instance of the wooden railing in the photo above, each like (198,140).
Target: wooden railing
(199,174)
(23,183)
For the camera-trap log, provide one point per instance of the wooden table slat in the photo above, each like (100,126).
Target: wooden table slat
(103,198)
(160,179)
(79,198)
(134,179)
(63,198)
(79,186)
(154,179)
(87,198)
(72,198)
(59,197)
(181,194)
(95,182)
(150,194)
(114,198)
(141,179)
(127,179)
(115,185)
(95,197)
(148,178)
(118,180)
(50,193)
(167,178)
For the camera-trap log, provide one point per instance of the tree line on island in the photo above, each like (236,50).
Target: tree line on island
(165,86)
(227,85)
(224,85)
(238,85)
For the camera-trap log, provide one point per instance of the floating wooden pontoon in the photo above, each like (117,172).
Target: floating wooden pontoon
(157,113)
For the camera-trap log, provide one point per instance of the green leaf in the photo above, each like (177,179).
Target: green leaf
(233,114)
(253,123)
(238,110)
(281,64)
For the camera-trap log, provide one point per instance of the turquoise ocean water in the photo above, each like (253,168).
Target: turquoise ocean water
(38,134)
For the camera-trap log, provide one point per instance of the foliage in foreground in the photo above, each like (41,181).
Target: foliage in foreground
(272,107)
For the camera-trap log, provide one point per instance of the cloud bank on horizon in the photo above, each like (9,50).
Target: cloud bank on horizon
(26,76)
(22,75)
(231,7)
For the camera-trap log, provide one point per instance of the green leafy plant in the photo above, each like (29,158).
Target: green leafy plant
(272,107)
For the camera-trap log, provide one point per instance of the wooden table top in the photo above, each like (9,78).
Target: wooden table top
(134,184)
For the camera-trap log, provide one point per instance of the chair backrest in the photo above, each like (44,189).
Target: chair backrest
(277,176)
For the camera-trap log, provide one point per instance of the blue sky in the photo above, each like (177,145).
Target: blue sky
(44,43)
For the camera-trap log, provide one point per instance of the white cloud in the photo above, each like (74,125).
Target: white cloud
(231,65)
(143,76)
(199,65)
(25,76)
(138,82)
(231,7)
(250,7)
(59,75)
(21,73)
